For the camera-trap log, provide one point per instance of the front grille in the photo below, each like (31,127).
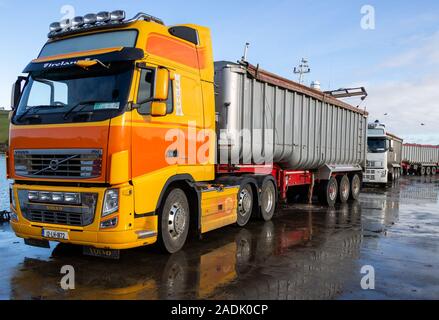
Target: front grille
(72,163)
(53,217)
(79,215)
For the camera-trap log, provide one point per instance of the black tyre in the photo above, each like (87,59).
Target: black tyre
(422,171)
(174,219)
(433,171)
(344,189)
(245,204)
(328,192)
(268,200)
(428,171)
(355,187)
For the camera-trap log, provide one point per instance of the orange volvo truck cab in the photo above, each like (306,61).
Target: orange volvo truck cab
(89,152)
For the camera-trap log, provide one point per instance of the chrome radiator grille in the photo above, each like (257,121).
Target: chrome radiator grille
(57,163)
(79,215)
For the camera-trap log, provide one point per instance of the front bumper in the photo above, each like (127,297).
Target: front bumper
(128,233)
(375,176)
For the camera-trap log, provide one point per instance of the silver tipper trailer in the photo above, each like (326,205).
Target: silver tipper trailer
(261,116)
(420,159)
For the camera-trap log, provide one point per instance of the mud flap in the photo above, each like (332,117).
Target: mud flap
(101,253)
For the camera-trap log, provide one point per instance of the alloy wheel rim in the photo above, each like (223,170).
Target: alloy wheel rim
(177,220)
(245,202)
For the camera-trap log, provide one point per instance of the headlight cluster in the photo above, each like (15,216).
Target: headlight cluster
(111,202)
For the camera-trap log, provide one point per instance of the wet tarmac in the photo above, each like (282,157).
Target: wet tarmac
(306,252)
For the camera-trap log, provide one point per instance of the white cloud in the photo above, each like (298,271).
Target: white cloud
(408,104)
(425,51)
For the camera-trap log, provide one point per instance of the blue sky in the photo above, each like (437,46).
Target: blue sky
(398,62)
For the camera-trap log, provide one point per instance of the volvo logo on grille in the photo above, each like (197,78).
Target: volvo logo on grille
(54,164)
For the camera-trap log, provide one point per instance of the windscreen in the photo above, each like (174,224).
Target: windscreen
(75,94)
(377,145)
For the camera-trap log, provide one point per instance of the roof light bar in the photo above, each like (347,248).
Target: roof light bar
(96,21)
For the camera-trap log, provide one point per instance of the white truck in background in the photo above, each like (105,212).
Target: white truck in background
(384,155)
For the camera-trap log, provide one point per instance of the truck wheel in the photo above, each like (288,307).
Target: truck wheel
(428,171)
(422,171)
(268,200)
(433,171)
(245,204)
(355,187)
(328,192)
(344,189)
(174,221)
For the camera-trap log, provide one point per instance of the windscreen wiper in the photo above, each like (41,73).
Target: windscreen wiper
(82,103)
(36,108)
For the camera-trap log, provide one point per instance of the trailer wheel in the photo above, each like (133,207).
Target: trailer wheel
(245,204)
(355,187)
(433,171)
(268,200)
(428,171)
(344,189)
(328,192)
(174,221)
(422,171)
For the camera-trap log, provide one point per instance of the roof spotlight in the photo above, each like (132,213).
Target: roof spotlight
(55,27)
(90,18)
(77,22)
(103,16)
(117,15)
(65,24)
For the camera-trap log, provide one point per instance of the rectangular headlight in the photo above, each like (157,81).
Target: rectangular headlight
(72,198)
(44,196)
(57,197)
(111,202)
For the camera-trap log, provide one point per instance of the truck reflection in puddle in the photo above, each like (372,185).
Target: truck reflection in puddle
(304,254)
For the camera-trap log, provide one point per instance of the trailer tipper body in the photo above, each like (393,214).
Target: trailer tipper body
(125,133)
(384,155)
(420,159)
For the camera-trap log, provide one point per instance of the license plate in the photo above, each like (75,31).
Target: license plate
(58,235)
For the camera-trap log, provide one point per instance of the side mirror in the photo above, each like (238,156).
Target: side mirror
(16,92)
(158,109)
(161,85)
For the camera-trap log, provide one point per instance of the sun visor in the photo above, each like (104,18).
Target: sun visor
(124,54)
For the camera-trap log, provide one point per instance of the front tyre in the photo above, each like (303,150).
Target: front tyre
(174,221)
